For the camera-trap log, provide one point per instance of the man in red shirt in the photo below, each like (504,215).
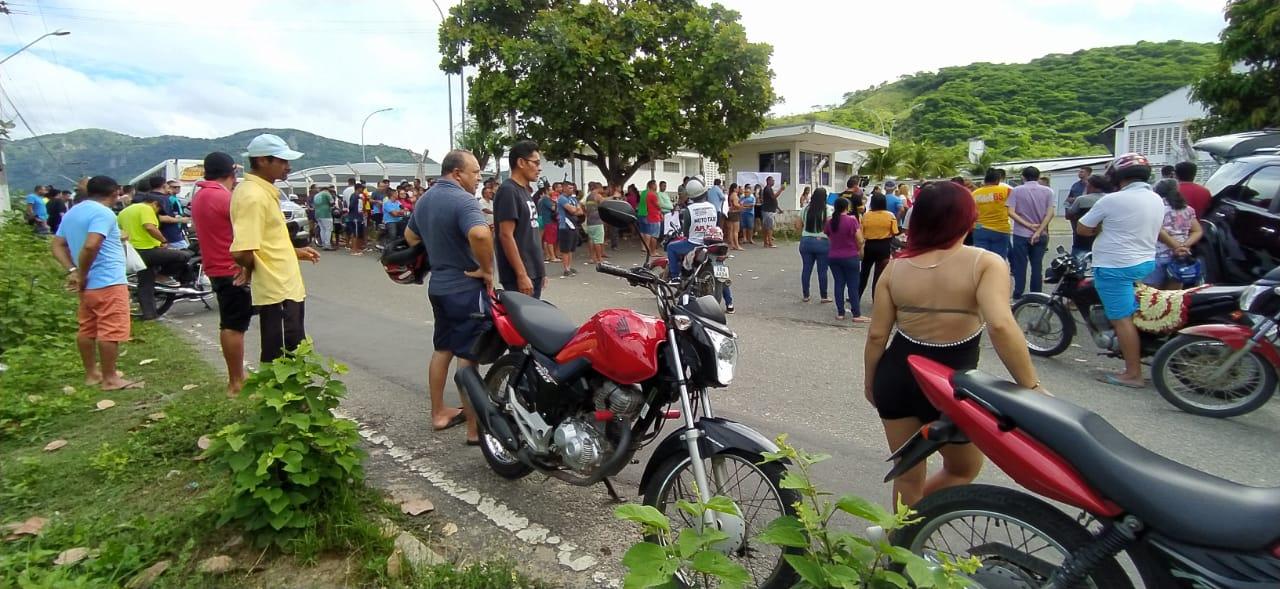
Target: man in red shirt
(211,213)
(1197,196)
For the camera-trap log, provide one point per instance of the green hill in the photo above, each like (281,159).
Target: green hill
(1051,106)
(96,151)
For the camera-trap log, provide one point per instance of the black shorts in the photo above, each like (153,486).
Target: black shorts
(355,228)
(235,305)
(568,239)
(375,218)
(456,326)
(895,390)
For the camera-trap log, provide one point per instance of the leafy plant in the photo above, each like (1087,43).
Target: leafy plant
(834,558)
(291,457)
(110,462)
(656,564)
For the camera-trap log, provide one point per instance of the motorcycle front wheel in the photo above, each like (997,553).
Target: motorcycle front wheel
(755,488)
(1047,326)
(501,377)
(1181,373)
(1020,540)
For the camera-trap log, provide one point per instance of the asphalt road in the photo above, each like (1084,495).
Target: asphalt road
(800,373)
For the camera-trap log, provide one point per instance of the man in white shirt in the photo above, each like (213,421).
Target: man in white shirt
(1127,223)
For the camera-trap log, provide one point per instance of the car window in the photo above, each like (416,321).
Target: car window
(1262,187)
(1228,174)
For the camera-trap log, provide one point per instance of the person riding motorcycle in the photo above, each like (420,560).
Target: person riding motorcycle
(697,220)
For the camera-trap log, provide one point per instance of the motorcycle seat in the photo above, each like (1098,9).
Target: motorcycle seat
(1215,294)
(545,327)
(1169,497)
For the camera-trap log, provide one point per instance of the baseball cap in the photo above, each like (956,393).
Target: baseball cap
(890,184)
(218,165)
(267,144)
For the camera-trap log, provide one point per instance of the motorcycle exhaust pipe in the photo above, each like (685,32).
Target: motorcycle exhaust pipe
(468,381)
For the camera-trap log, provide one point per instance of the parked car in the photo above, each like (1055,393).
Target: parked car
(1242,228)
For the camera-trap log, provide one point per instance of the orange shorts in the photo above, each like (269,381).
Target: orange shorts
(104,313)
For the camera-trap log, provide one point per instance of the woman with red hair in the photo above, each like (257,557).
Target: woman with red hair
(935,300)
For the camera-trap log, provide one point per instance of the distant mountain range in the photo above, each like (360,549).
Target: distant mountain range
(89,152)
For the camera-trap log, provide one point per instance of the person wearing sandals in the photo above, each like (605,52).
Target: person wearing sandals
(734,221)
(814,245)
(935,300)
(845,234)
(747,199)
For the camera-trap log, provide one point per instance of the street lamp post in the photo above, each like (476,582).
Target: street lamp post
(366,121)
(448,83)
(4,173)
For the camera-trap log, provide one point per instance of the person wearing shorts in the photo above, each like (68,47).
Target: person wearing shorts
(355,225)
(88,246)
(211,213)
(1127,225)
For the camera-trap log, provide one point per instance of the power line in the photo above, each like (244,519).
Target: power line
(30,130)
(66,99)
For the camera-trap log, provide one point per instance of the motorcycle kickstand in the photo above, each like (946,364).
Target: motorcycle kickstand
(608,485)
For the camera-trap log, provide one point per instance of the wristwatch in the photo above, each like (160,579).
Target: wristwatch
(71,269)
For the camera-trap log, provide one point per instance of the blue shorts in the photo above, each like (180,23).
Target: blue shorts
(1116,288)
(748,219)
(652,229)
(456,323)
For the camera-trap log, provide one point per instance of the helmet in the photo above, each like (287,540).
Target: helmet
(1129,166)
(404,263)
(695,189)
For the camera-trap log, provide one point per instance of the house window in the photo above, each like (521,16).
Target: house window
(671,167)
(778,161)
(808,161)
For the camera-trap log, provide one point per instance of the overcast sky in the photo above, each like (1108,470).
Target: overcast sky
(209,69)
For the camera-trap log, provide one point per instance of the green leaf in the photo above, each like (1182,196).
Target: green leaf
(694,509)
(299,420)
(644,515)
(862,508)
(292,462)
(283,372)
(731,574)
(808,568)
(723,504)
(895,579)
(687,543)
(645,563)
(240,460)
(795,480)
(921,572)
(235,442)
(842,576)
(785,531)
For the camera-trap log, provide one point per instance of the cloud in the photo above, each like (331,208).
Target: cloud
(149,67)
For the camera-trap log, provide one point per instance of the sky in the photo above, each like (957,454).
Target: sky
(157,67)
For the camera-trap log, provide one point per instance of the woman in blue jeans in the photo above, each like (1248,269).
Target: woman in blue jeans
(814,245)
(846,242)
(748,222)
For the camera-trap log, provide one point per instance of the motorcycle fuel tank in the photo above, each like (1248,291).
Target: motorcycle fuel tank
(621,344)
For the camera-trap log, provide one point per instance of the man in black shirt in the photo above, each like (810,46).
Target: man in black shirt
(515,220)
(769,205)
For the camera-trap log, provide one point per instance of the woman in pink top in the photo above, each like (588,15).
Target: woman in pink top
(845,235)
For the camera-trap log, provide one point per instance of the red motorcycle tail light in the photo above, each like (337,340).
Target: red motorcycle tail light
(1275,551)
(604,415)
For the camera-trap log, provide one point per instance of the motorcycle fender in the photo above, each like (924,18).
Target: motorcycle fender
(1235,337)
(1041,298)
(718,435)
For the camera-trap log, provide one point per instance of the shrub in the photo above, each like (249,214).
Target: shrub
(291,457)
(654,565)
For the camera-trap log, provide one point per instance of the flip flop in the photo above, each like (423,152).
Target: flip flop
(454,421)
(1112,380)
(473,442)
(128,385)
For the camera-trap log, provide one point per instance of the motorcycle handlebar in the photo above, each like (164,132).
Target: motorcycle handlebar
(613,270)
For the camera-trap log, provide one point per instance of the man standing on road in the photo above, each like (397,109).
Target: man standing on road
(520,265)
(211,213)
(769,205)
(568,211)
(1197,196)
(460,247)
(1077,189)
(355,225)
(715,196)
(1127,223)
(991,232)
(1031,208)
(323,205)
(140,223)
(264,250)
(172,217)
(37,211)
(88,245)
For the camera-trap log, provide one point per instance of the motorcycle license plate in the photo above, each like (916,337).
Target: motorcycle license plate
(721,272)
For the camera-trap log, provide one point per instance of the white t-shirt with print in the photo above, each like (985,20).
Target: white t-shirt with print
(1131,221)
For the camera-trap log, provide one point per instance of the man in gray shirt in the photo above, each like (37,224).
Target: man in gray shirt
(1031,208)
(459,246)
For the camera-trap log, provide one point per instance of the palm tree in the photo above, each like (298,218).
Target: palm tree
(917,162)
(882,162)
(946,161)
(984,162)
(485,141)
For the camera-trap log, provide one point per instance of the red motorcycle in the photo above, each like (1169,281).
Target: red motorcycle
(577,402)
(1180,527)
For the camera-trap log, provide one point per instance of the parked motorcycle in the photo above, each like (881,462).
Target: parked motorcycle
(193,284)
(1181,527)
(577,402)
(1225,370)
(703,270)
(1046,320)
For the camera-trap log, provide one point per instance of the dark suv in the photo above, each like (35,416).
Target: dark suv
(1242,227)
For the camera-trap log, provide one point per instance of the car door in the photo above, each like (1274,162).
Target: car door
(1254,212)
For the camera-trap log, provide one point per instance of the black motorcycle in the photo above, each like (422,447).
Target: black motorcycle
(1046,320)
(193,284)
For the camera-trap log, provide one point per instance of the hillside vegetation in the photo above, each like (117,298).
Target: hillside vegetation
(1051,106)
(96,151)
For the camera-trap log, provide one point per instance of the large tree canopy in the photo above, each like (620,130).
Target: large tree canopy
(617,83)
(1250,99)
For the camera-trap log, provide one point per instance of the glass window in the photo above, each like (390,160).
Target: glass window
(1261,188)
(808,161)
(671,167)
(778,161)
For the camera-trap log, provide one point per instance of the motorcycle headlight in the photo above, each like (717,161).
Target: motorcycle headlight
(1250,295)
(726,350)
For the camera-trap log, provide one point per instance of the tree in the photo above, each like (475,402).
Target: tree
(917,162)
(946,161)
(619,83)
(882,162)
(984,161)
(1249,99)
(485,140)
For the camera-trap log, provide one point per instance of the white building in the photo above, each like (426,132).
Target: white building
(1062,172)
(1161,131)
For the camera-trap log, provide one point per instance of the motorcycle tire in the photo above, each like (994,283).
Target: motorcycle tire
(718,291)
(656,494)
(164,301)
(501,460)
(1173,384)
(1056,312)
(1003,506)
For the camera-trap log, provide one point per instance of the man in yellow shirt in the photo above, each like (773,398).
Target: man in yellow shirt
(140,224)
(263,248)
(993,228)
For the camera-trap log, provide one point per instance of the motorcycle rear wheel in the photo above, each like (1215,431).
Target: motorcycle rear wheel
(164,301)
(674,480)
(958,515)
(501,460)
(1050,336)
(1181,367)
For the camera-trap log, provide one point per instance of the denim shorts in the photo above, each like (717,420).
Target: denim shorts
(748,219)
(1116,288)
